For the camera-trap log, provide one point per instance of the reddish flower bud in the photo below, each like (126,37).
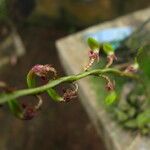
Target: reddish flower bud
(110,86)
(132,68)
(93,56)
(29,113)
(24,105)
(70,94)
(43,70)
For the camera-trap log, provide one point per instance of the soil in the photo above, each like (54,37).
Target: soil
(57,126)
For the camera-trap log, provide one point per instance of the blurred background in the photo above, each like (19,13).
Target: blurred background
(36,25)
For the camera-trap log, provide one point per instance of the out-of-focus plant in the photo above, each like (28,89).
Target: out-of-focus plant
(133,111)
(25,111)
(3,10)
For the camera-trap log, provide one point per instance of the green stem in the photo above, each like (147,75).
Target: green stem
(31,91)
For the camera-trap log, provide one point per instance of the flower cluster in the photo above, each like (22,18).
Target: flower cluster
(28,111)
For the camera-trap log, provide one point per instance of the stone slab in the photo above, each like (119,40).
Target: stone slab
(72,50)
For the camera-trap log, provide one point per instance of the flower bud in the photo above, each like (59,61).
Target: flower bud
(29,113)
(93,56)
(70,94)
(109,51)
(43,70)
(132,68)
(93,53)
(93,44)
(110,86)
(40,71)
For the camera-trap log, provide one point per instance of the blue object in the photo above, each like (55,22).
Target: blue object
(111,35)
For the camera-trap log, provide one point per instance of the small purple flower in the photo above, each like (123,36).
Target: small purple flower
(110,86)
(29,113)
(43,70)
(132,68)
(93,55)
(69,94)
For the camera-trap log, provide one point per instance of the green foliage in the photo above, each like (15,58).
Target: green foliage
(3,10)
(132,124)
(132,111)
(143,119)
(121,116)
(107,48)
(31,80)
(111,98)
(15,108)
(143,58)
(93,44)
(54,95)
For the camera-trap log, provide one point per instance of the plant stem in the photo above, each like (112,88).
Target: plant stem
(31,91)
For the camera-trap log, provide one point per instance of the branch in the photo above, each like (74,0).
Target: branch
(37,90)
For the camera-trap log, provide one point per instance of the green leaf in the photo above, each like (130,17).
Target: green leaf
(131,124)
(93,44)
(121,115)
(111,98)
(30,79)
(15,108)
(143,118)
(131,112)
(145,131)
(107,48)
(3,10)
(143,59)
(54,95)
(139,51)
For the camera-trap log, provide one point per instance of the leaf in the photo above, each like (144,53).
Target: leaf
(15,108)
(107,48)
(143,118)
(121,115)
(131,112)
(30,80)
(131,124)
(111,98)
(145,131)
(143,59)
(93,44)
(54,95)
(139,51)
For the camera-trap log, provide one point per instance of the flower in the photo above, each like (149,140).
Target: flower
(93,56)
(133,68)
(43,70)
(29,113)
(110,86)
